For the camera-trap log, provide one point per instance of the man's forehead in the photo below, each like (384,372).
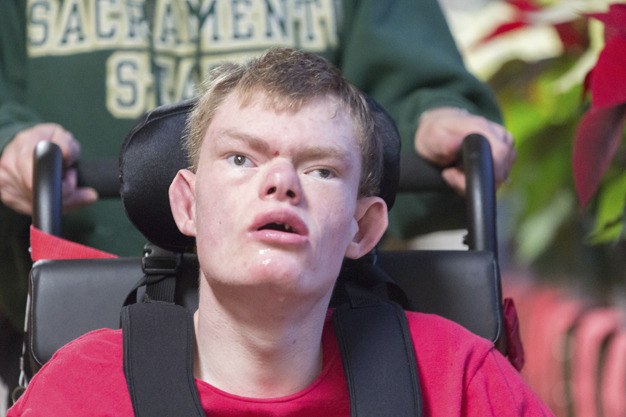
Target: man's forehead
(332,110)
(263,98)
(318,140)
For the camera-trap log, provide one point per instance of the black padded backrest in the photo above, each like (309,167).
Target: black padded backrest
(460,285)
(463,286)
(149,160)
(67,302)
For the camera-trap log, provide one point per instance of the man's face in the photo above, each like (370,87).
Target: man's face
(276,195)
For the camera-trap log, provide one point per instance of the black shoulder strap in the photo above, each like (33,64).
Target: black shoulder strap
(158,360)
(374,340)
(378,357)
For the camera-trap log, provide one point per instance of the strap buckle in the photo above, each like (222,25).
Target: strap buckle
(158,261)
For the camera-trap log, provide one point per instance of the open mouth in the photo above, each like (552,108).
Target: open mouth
(281,227)
(279,223)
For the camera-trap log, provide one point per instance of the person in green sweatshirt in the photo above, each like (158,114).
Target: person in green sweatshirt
(79,73)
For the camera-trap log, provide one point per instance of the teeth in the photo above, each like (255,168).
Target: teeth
(280,226)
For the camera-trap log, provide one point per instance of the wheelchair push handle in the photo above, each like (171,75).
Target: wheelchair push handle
(418,175)
(47,188)
(47,184)
(103,175)
(480,199)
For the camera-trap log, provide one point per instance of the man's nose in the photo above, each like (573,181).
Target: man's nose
(282,183)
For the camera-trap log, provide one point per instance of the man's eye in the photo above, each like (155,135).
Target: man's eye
(323,173)
(240,160)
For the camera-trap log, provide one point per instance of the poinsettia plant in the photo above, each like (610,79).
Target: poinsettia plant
(535,54)
(601,130)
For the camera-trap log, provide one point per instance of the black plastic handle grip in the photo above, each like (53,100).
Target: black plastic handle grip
(417,174)
(47,184)
(47,191)
(480,196)
(103,175)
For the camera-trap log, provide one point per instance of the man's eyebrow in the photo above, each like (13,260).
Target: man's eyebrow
(250,140)
(326,152)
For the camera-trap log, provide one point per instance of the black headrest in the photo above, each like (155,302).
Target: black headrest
(152,154)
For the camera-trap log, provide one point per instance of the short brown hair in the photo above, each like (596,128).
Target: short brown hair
(290,78)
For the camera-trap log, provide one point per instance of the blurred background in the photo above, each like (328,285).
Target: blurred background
(561,215)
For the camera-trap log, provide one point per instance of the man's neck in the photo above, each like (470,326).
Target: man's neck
(265,350)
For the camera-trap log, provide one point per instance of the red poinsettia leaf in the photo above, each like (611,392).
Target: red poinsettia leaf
(502,29)
(597,138)
(524,5)
(586,84)
(519,21)
(614,21)
(573,34)
(607,83)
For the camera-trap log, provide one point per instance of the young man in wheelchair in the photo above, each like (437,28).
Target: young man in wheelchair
(286,164)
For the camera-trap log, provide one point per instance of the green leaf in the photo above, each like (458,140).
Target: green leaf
(538,232)
(609,222)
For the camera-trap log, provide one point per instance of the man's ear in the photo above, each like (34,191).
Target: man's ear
(371,218)
(182,193)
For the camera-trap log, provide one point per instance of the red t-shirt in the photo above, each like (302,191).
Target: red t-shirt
(460,375)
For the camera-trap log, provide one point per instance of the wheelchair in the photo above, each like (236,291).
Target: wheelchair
(68,298)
